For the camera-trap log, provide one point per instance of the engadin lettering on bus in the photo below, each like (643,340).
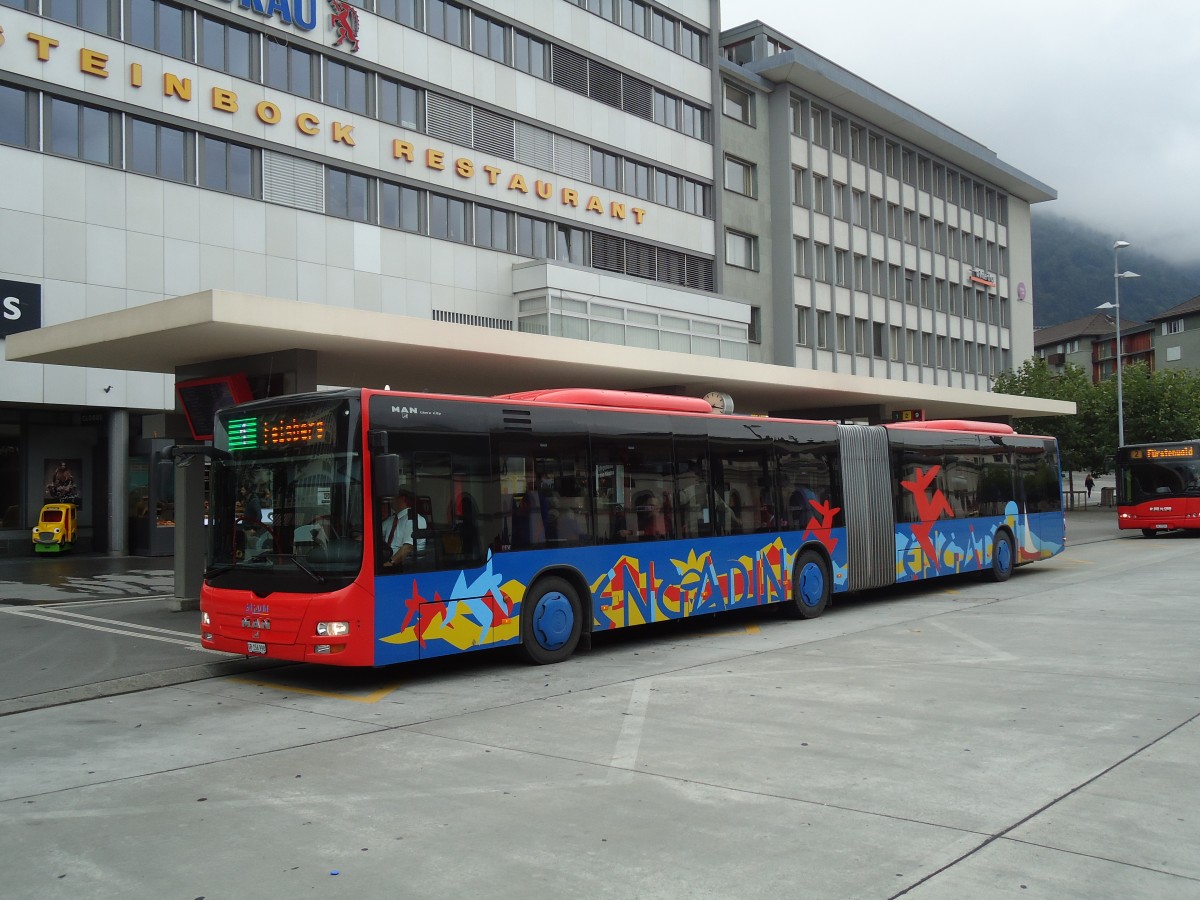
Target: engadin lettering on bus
(301,13)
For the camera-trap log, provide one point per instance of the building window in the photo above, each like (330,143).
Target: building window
(399,104)
(818,117)
(820,194)
(529,54)
(877,340)
(840,267)
(637,179)
(894,220)
(290,69)
(347,87)
(799,186)
(822,330)
(91,15)
(533,237)
(606,168)
(859,208)
(926,293)
(490,39)
(666,188)
(347,195)
(739,176)
(842,324)
(802,314)
(741,250)
(877,218)
(448,218)
(14,116)
(229,167)
(893,282)
(739,104)
(402,11)
(895,343)
(841,201)
(446,21)
(666,110)
(154,25)
(228,49)
(491,228)
(861,278)
(878,278)
(796,108)
(837,134)
(821,261)
(81,132)
(857,143)
(570,245)
(910,226)
(1172,326)
(800,254)
(158,150)
(400,207)
(754,334)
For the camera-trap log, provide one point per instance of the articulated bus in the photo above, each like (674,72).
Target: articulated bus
(538,519)
(1158,486)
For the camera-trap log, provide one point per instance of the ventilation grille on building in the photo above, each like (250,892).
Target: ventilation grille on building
(457,318)
(639,259)
(638,98)
(608,252)
(495,133)
(447,118)
(572,158)
(606,83)
(299,183)
(569,69)
(535,146)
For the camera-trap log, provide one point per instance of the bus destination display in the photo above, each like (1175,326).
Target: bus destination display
(265,433)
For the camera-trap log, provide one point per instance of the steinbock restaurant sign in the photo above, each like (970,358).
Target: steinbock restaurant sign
(406,153)
(20,307)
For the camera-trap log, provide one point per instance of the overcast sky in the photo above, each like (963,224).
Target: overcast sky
(1100,100)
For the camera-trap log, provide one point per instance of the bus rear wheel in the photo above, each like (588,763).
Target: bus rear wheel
(551,621)
(1148,532)
(811,586)
(1003,557)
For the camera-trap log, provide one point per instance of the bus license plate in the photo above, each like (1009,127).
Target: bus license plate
(255,647)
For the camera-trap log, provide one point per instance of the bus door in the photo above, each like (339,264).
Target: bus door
(870,516)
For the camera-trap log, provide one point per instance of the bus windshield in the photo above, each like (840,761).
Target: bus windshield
(287,508)
(1158,474)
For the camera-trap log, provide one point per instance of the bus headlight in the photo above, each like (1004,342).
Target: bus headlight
(333,629)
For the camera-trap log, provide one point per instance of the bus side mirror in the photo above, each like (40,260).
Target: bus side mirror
(386,480)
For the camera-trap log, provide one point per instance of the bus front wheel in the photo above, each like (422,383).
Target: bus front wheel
(1003,557)
(551,621)
(811,586)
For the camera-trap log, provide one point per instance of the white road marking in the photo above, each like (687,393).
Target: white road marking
(994,653)
(53,611)
(193,644)
(630,739)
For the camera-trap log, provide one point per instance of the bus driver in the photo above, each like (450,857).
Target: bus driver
(398,529)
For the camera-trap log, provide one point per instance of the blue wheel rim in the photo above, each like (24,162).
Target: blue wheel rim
(553,620)
(812,584)
(1003,555)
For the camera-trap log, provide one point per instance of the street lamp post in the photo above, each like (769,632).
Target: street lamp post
(1115,306)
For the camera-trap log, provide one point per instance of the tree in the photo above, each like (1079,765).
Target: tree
(1083,437)
(1159,406)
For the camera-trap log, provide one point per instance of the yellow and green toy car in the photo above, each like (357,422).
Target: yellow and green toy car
(56,529)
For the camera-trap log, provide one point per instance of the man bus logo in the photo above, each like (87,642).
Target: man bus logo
(344,20)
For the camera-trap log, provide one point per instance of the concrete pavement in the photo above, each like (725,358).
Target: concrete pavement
(962,739)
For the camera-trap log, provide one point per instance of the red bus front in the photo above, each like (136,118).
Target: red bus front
(288,543)
(1158,487)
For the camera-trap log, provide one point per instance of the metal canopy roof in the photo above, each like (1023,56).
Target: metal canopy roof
(372,349)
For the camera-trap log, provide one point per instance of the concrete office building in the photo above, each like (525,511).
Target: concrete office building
(475,196)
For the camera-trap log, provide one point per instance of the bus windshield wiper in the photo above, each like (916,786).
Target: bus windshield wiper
(315,576)
(218,571)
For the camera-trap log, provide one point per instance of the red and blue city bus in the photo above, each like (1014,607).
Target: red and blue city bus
(1158,486)
(538,519)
